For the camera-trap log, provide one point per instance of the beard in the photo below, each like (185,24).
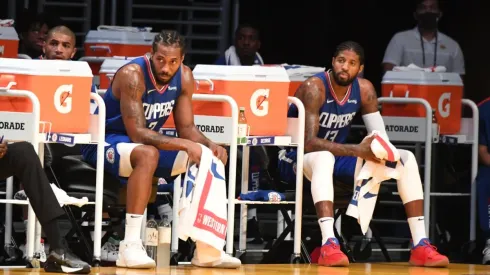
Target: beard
(340,81)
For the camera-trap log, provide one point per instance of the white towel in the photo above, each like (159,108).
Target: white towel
(413,67)
(64,199)
(231,57)
(369,178)
(202,209)
(7,22)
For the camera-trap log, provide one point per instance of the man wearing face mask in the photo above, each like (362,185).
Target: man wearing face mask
(424,45)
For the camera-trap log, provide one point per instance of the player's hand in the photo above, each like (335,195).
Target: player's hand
(219,152)
(3,149)
(365,152)
(194,151)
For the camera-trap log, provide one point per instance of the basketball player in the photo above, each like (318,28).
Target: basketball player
(331,100)
(141,97)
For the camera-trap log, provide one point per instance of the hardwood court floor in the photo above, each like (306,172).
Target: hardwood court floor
(284,269)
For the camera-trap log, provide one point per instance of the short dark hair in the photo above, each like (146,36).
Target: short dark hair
(169,38)
(351,46)
(247,25)
(30,19)
(64,30)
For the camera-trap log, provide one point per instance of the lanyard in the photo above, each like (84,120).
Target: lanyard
(423,49)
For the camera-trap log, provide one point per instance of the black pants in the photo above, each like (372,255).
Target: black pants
(22,162)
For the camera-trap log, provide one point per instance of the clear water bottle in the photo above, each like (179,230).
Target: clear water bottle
(164,238)
(151,240)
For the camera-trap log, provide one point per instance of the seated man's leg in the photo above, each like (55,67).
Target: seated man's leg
(320,168)
(138,163)
(22,161)
(411,194)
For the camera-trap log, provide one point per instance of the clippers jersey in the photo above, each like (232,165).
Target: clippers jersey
(335,115)
(157,103)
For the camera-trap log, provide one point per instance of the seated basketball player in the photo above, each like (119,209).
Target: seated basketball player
(141,97)
(331,100)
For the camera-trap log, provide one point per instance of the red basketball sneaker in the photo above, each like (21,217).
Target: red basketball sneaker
(425,254)
(331,255)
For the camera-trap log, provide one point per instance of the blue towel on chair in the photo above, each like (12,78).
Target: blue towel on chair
(262,195)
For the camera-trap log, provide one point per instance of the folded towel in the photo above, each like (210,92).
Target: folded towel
(299,70)
(262,195)
(370,176)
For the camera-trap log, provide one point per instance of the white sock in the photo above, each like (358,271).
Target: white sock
(417,228)
(326,226)
(133,227)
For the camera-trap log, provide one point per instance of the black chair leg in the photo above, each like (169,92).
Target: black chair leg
(344,246)
(380,242)
(88,249)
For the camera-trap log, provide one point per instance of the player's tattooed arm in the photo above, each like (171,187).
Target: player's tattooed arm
(312,94)
(369,99)
(183,113)
(130,86)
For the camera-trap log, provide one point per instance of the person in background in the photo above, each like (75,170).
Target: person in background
(245,51)
(483,176)
(424,46)
(32,30)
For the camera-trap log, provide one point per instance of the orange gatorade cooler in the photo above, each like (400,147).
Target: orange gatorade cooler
(9,42)
(109,68)
(298,74)
(443,91)
(118,41)
(262,91)
(62,87)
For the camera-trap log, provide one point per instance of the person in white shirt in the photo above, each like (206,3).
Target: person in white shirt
(434,49)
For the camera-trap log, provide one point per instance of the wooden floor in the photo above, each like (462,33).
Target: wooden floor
(283,269)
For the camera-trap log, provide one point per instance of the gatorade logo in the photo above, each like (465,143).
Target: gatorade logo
(63,99)
(259,102)
(444,105)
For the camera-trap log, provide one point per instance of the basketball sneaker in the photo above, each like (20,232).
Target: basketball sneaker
(64,261)
(331,255)
(486,253)
(226,261)
(133,255)
(425,254)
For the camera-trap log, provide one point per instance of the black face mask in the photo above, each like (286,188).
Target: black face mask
(428,20)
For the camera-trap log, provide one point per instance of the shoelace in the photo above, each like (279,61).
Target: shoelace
(331,244)
(432,248)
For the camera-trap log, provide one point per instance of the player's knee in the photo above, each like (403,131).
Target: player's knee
(145,156)
(321,159)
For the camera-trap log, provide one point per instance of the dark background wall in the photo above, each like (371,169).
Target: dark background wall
(307,32)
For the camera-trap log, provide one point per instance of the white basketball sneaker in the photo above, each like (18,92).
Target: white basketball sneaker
(226,261)
(133,255)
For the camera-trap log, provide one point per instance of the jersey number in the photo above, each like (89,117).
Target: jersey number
(152,125)
(331,135)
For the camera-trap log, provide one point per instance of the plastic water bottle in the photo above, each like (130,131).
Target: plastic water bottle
(151,240)
(164,237)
